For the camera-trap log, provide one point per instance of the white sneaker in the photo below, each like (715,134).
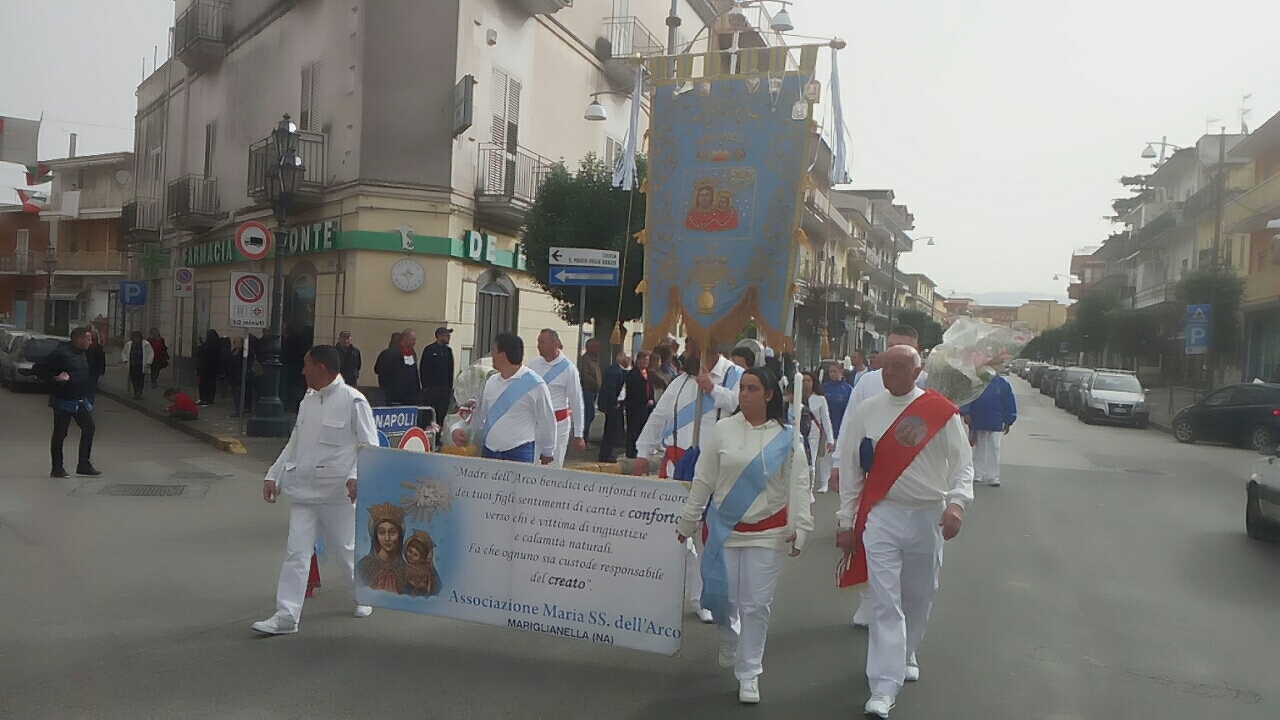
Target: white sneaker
(276,625)
(862,616)
(913,669)
(749,691)
(994,482)
(879,705)
(363,611)
(704,614)
(726,654)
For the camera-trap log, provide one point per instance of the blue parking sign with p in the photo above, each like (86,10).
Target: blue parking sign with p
(133,292)
(1199,319)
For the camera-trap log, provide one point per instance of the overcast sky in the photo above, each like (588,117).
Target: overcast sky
(1002,124)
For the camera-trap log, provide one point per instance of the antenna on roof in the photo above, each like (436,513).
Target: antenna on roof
(1244,113)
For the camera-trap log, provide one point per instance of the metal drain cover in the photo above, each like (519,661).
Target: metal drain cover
(140,490)
(1046,438)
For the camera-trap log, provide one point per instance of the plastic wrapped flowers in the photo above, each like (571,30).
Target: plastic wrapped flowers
(971,354)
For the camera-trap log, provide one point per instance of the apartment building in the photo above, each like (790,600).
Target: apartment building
(426,129)
(882,285)
(24,240)
(1247,217)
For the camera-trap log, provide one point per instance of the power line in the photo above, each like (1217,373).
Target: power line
(87,124)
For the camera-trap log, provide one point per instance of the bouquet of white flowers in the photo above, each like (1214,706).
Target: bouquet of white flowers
(467,387)
(971,354)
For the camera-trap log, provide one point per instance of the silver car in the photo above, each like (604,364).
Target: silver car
(1262,511)
(23,353)
(1113,396)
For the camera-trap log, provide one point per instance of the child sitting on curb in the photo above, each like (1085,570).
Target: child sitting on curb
(183,407)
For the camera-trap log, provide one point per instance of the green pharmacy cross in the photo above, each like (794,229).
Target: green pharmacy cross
(153,260)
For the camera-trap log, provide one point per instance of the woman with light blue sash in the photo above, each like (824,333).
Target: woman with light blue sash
(752,479)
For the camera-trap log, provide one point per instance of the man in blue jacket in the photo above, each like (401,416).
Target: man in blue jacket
(989,418)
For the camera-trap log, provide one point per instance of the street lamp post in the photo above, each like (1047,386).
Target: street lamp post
(50,267)
(283,180)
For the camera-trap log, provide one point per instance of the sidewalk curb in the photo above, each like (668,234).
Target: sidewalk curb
(223,443)
(1166,429)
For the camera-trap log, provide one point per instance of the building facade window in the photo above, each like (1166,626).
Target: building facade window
(497,307)
(210,146)
(504,133)
(309,108)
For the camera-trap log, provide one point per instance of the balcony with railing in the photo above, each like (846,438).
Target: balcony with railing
(140,218)
(263,160)
(544,7)
(1254,208)
(506,185)
(623,38)
(1154,295)
(28,263)
(821,217)
(200,34)
(93,262)
(192,202)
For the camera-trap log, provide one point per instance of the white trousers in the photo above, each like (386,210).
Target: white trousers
(692,569)
(336,523)
(904,554)
(986,455)
(821,470)
(562,440)
(753,576)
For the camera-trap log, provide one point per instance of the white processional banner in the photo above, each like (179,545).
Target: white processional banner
(581,555)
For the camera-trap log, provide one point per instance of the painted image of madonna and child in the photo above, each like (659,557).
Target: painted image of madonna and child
(396,564)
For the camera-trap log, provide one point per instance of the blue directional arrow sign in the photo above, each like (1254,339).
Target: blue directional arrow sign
(593,276)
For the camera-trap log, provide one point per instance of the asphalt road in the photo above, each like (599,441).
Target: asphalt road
(1109,577)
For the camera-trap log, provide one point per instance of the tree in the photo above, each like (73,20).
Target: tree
(1048,344)
(1222,289)
(582,209)
(1140,193)
(1094,318)
(929,329)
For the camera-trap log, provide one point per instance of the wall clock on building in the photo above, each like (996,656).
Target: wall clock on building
(408,275)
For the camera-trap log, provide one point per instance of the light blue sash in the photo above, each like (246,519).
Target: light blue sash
(721,519)
(556,369)
(509,397)
(684,415)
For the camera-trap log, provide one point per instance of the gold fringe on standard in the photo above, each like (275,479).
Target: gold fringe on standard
(467,451)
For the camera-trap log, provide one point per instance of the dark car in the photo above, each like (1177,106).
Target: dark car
(1067,393)
(1037,374)
(27,350)
(1246,414)
(1049,382)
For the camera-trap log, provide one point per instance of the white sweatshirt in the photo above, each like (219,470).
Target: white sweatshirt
(726,450)
(942,473)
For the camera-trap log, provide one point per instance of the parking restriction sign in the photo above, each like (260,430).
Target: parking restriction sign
(248,300)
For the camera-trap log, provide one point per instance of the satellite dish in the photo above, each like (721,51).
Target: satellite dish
(123,177)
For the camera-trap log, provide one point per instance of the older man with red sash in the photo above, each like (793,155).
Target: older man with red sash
(912,479)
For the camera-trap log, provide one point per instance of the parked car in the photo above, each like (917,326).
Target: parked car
(1016,366)
(1069,385)
(10,339)
(24,353)
(1029,368)
(1050,380)
(1262,509)
(1037,374)
(1113,396)
(1246,414)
